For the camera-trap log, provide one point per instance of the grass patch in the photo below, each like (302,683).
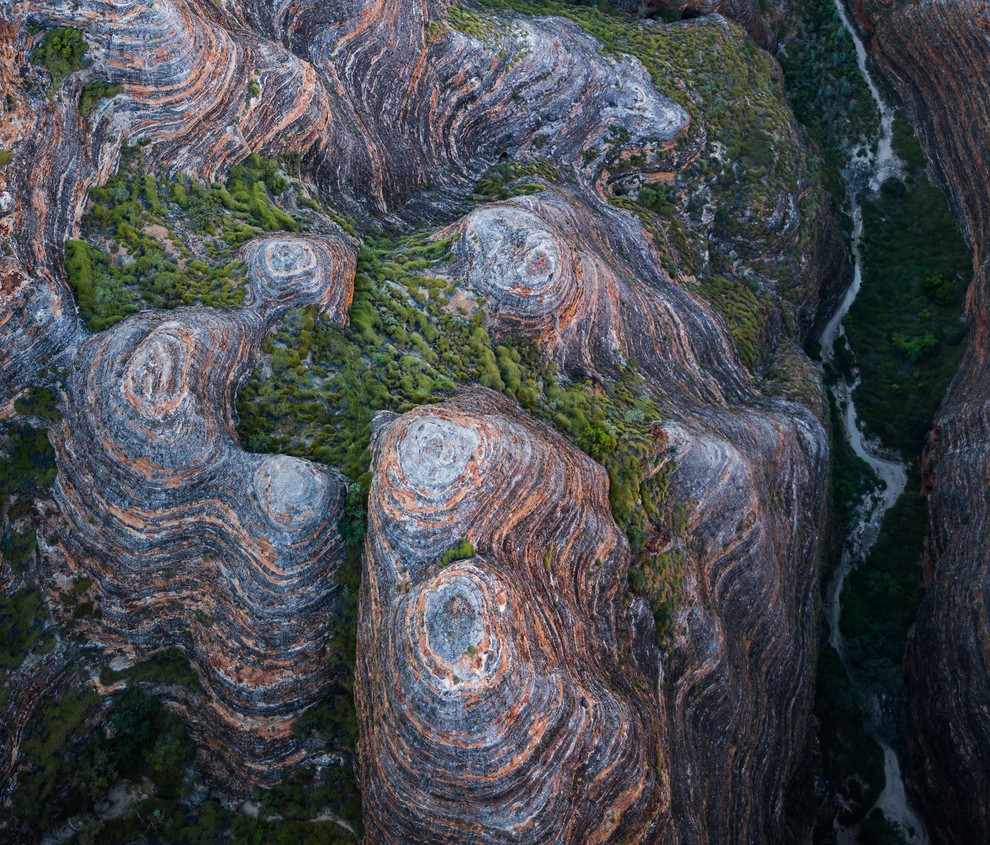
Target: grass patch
(151,241)
(462,551)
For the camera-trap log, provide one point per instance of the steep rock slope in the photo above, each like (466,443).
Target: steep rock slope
(547,267)
(500,674)
(943,79)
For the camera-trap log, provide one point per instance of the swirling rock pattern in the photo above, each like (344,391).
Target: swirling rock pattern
(493,697)
(736,694)
(187,76)
(596,296)
(188,539)
(943,77)
(593,294)
(287,269)
(512,670)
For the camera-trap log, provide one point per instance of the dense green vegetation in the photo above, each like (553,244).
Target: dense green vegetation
(170,666)
(853,759)
(157,242)
(905,335)
(27,466)
(461,551)
(881,599)
(50,732)
(61,51)
(508,179)
(22,618)
(77,748)
(906,325)
(27,470)
(828,92)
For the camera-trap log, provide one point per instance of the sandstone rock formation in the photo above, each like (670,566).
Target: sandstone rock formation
(549,269)
(596,296)
(492,690)
(517,670)
(944,81)
(187,539)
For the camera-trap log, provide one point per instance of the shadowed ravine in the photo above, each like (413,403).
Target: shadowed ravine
(883,164)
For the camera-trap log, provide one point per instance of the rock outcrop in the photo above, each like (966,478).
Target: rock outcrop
(509,693)
(936,55)
(596,296)
(493,693)
(187,539)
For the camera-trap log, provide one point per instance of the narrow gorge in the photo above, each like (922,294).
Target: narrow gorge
(488,422)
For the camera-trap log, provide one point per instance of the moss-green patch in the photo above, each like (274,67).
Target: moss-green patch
(462,551)
(151,241)
(51,735)
(170,666)
(93,92)
(22,617)
(473,23)
(509,179)
(40,402)
(27,465)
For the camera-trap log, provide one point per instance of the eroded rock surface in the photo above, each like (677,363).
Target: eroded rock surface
(595,296)
(188,539)
(509,694)
(494,699)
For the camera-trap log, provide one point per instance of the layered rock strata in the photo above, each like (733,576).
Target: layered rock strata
(549,716)
(388,97)
(493,697)
(189,540)
(579,277)
(596,296)
(943,78)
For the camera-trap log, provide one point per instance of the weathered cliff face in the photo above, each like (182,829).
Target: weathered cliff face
(546,266)
(935,54)
(512,692)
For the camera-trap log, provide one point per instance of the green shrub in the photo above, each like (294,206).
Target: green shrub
(93,92)
(61,51)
